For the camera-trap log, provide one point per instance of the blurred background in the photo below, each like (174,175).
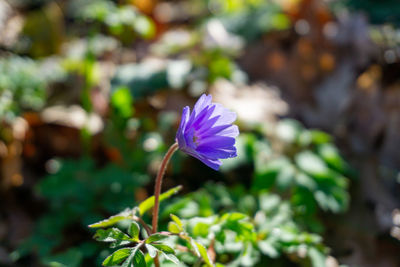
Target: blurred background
(91,93)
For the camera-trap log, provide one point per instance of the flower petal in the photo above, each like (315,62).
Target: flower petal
(212,163)
(217,153)
(216,141)
(225,115)
(231,131)
(223,130)
(180,133)
(204,101)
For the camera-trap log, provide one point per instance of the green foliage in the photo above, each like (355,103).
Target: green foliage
(245,238)
(306,167)
(264,229)
(79,193)
(251,19)
(23,84)
(133,255)
(148,77)
(118,19)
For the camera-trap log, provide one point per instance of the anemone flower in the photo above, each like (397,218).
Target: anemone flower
(208,133)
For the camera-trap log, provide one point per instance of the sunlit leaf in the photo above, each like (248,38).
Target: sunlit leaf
(112,235)
(149,203)
(134,231)
(127,214)
(117,257)
(155,238)
(164,248)
(173,228)
(152,250)
(203,253)
(311,164)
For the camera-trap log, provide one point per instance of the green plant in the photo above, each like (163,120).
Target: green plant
(23,85)
(78,193)
(304,166)
(119,20)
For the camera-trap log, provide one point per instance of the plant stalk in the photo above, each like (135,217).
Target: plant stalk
(157,187)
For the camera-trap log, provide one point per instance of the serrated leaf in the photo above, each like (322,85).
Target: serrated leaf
(126,214)
(113,235)
(155,238)
(117,257)
(134,230)
(164,248)
(149,203)
(203,253)
(152,250)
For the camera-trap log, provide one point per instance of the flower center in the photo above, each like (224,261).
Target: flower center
(195,139)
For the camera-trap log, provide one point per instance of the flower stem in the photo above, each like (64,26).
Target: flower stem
(157,187)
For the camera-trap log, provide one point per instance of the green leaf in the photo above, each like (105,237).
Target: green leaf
(113,235)
(269,202)
(331,156)
(117,257)
(285,177)
(152,250)
(121,100)
(319,137)
(234,216)
(266,172)
(289,130)
(127,214)
(173,228)
(167,251)
(318,259)
(164,248)
(149,203)
(171,257)
(177,221)
(311,164)
(201,229)
(155,238)
(138,259)
(131,257)
(134,230)
(306,181)
(268,249)
(145,27)
(203,253)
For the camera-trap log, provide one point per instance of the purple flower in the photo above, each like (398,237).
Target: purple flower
(208,133)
